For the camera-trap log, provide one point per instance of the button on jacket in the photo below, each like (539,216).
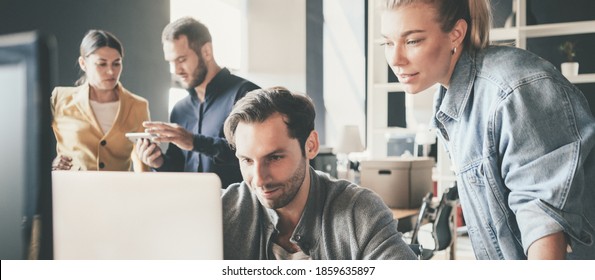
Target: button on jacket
(341,221)
(522,139)
(205,120)
(79,135)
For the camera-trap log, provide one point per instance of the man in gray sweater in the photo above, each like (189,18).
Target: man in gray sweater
(284,209)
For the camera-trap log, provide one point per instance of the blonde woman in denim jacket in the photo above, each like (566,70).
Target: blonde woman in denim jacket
(520,137)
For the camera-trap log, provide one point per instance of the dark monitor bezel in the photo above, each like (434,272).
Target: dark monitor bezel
(36,51)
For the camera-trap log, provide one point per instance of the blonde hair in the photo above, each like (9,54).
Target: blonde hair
(476,13)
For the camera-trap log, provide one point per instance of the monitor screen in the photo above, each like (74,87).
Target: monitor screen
(25,145)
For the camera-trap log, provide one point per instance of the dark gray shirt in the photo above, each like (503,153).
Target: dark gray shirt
(205,120)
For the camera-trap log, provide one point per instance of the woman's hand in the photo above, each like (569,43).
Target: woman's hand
(149,153)
(62,163)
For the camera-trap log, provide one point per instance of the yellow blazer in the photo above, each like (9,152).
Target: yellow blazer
(79,135)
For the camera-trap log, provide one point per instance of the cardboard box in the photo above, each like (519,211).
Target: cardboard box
(401,182)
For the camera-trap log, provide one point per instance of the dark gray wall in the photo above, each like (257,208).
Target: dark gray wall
(137,23)
(556,11)
(314,63)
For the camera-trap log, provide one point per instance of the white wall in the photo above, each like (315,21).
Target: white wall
(344,66)
(276,55)
(275,45)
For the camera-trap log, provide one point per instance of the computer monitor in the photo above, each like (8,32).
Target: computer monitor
(25,145)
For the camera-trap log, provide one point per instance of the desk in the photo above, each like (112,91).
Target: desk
(406,217)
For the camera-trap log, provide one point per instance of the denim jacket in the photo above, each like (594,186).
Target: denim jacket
(521,139)
(340,221)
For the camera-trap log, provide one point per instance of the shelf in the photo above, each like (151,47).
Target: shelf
(543,30)
(559,29)
(501,34)
(582,79)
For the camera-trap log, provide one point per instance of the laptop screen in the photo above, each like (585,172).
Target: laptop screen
(126,215)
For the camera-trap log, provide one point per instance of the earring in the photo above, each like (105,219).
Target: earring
(453,51)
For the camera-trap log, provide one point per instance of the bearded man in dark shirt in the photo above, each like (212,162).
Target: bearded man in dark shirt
(195,134)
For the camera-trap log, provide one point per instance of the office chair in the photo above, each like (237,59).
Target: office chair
(441,216)
(417,250)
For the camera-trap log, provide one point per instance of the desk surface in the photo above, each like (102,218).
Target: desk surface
(399,213)
(406,217)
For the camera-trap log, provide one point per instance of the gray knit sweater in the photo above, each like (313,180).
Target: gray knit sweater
(341,221)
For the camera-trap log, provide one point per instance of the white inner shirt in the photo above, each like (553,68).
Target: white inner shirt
(282,254)
(105,113)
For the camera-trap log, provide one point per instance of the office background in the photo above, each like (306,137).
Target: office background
(313,46)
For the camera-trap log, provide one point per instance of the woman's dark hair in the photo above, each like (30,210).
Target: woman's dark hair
(258,105)
(96,39)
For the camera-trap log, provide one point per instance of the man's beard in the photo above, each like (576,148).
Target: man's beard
(199,74)
(290,188)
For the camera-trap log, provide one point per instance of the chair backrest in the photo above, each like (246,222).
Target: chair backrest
(442,228)
(422,216)
(441,218)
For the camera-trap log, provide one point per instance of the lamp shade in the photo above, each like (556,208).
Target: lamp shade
(349,140)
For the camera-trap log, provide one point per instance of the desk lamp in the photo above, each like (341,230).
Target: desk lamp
(349,142)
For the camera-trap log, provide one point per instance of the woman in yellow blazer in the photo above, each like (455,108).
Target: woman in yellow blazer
(90,121)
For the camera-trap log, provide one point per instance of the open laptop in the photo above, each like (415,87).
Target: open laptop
(127,215)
